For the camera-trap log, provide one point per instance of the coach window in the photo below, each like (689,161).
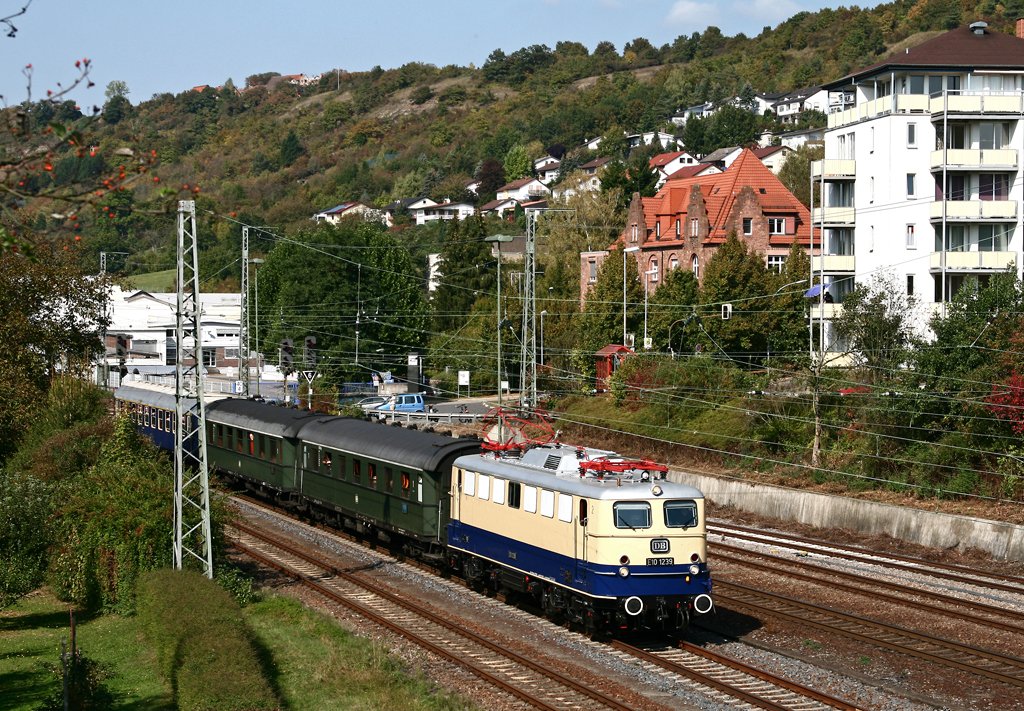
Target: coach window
(263,446)
(389,479)
(406,484)
(371,470)
(357,471)
(275,452)
(515,494)
(680,514)
(484,487)
(499,491)
(632,514)
(252,444)
(565,508)
(326,461)
(547,503)
(530,499)
(339,467)
(238,440)
(145,416)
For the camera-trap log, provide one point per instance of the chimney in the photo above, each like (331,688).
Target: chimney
(1020,28)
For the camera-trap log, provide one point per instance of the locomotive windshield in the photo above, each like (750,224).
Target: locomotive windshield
(680,514)
(632,514)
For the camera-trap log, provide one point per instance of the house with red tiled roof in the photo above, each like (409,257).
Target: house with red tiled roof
(665,164)
(689,218)
(692,171)
(773,157)
(523,190)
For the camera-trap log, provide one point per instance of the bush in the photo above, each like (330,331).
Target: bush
(202,646)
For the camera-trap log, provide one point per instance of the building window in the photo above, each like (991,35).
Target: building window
(992,187)
(673,263)
(230,353)
(910,284)
(592,271)
(209,357)
(748,226)
(694,226)
(653,276)
(695,265)
(912,135)
(911,237)
(776,262)
(776,225)
(678,228)
(634,234)
(657,230)
(911,185)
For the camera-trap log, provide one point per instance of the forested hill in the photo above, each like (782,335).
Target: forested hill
(273,153)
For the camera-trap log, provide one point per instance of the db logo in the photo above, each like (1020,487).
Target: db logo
(659,545)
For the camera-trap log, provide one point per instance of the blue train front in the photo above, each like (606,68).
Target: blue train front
(602,541)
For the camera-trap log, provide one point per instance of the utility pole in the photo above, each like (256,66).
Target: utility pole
(243,319)
(191,476)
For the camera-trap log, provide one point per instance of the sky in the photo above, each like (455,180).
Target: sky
(158,47)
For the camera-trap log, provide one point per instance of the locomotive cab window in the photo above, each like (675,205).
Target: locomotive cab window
(680,514)
(632,514)
(498,494)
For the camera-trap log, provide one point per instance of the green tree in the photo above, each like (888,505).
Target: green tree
(603,309)
(669,307)
(796,171)
(877,325)
(517,163)
(290,149)
(468,272)
(786,319)
(738,277)
(116,89)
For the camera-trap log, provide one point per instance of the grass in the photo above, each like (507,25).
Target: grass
(30,634)
(312,662)
(154,281)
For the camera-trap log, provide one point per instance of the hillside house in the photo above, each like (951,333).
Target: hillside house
(523,190)
(350,209)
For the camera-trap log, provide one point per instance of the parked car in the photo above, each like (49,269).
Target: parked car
(370,403)
(409,402)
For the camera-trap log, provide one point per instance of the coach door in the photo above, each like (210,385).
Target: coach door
(580,537)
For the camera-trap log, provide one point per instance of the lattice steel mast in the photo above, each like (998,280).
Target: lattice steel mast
(191,476)
(243,322)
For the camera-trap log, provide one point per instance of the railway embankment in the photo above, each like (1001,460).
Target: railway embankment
(1001,540)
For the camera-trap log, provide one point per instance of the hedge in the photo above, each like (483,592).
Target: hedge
(202,645)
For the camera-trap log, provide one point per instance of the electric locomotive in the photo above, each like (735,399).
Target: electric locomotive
(595,538)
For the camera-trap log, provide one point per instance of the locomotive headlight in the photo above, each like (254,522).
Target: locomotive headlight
(694,569)
(624,572)
(656,490)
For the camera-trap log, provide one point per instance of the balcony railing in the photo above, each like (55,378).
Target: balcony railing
(832,263)
(977,103)
(969,261)
(975,159)
(834,168)
(969,210)
(893,104)
(834,216)
(825,311)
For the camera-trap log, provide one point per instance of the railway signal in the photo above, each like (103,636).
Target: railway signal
(309,351)
(121,345)
(287,354)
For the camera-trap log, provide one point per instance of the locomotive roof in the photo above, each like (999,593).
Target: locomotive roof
(259,417)
(404,447)
(556,467)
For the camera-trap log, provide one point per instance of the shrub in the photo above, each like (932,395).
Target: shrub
(202,645)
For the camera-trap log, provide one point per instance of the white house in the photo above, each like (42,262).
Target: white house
(523,190)
(698,111)
(773,157)
(349,209)
(723,157)
(424,213)
(922,177)
(499,207)
(549,173)
(665,164)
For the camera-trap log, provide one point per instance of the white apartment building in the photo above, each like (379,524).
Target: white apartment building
(922,176)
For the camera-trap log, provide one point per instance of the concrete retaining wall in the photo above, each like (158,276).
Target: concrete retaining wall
(1003,541)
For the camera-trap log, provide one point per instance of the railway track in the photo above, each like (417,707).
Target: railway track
(946,571)
(728,681)
(999,667)
(734,679)
(1013,621)
(515,674)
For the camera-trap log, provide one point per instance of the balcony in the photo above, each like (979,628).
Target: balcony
(834,216)
(834,169)
(974,210)
(975,159)
(893,104)
(972,261)
(833,263)
(976,104)
(825,311)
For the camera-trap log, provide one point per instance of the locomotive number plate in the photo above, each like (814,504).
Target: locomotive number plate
(661,561)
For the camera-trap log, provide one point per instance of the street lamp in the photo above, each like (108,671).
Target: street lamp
(498,239)
(647,281)
(256,261)
(627,250)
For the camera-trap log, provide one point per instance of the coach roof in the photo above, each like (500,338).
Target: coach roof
(259,417)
